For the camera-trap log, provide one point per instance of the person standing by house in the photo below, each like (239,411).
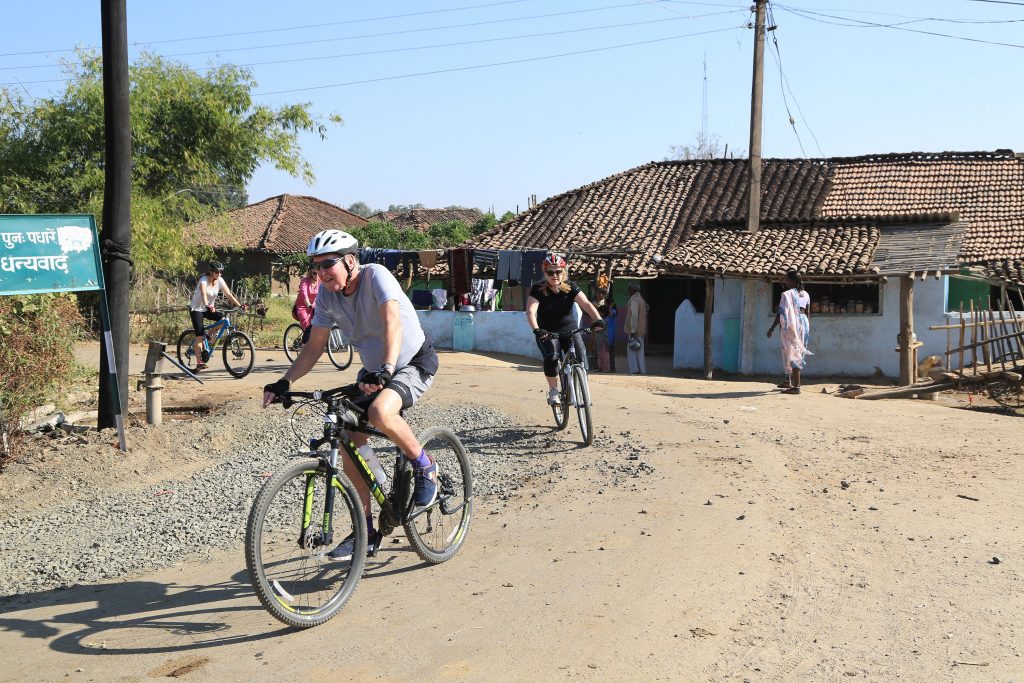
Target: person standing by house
(549,314)
(204,307)
(303,309)
(636,327)
(796,329)
(606,341)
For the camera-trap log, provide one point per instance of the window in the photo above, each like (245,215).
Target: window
(836,299)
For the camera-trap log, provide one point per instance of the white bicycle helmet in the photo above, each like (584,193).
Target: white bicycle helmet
(332,241)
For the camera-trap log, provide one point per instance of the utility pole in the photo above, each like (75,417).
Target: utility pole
(116,235)
(751,293)
(756,95)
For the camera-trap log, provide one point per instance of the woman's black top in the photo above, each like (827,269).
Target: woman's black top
(554,312)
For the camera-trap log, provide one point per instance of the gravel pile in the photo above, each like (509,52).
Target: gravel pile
(102,535)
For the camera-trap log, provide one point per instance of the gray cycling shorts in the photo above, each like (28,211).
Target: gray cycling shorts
(409,382)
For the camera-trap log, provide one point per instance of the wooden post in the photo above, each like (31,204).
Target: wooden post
(906,336)
(963,332)
(709,305)
(974,340)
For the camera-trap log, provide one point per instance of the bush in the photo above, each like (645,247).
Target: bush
(37,357)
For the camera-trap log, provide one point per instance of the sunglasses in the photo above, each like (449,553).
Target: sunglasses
(553,272)
(326,264)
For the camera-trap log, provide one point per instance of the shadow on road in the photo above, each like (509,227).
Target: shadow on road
(140,617)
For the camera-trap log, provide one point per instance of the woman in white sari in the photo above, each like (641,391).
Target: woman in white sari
(796,329)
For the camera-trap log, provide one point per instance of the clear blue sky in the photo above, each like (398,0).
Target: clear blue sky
(489,137)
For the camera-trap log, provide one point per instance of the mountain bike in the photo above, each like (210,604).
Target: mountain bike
(238,350)
(338,350)
(305,509)
(573,389)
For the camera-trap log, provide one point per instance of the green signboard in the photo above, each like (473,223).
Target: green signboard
(49,253)
(46,253)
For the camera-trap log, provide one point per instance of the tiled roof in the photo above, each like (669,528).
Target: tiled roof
(280,225)
(656,208)
(1009,271)
(817,250)
(421,219)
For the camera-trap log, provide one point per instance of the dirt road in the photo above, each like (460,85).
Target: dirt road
(778,538)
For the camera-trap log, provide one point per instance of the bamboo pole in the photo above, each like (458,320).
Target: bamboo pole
(974,339)
(986,351)
(963,331)
(709,303)
(998,341)
(1016,323)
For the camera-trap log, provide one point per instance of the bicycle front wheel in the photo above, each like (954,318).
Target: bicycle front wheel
(239,354)
(292,341)
(338,350)
(186,352)
(561,410)
(286,547)
(437,532)
(581,389)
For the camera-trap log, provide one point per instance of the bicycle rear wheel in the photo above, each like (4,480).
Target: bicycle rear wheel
(561,410)
(286,549)
(339,350)
(581,391)
(239,354)
(437,532)
(292,341)
(186,353)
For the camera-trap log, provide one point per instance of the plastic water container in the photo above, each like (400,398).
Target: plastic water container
(371,459)
(462,331)
(731,344)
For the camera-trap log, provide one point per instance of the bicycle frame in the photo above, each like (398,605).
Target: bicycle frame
(567,359)
(342,417)
(222,326)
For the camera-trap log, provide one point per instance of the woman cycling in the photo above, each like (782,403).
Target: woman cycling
(204,306)
(303,310)
(549,313)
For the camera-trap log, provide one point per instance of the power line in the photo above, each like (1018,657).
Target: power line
(784,86)
(999,2)
(284,28)
(493,64)
(406,31)
(858,23)
(439,45)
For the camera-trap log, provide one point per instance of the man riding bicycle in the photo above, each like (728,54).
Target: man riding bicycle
(549,313)
(399,361)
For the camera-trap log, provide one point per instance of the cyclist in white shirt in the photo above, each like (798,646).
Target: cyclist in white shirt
(204,307)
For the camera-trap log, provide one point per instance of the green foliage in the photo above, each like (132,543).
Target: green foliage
(37,338)
(361,209)
(257,286)
(387,236)
(507,216)
(487,222)
(404,207)
(196,141)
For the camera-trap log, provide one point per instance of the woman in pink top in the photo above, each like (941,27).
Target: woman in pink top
(303,310)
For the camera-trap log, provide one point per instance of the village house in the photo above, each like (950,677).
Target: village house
(858,229)
(253,239)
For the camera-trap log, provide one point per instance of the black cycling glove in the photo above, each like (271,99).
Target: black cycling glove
(541,334)
(278,388)
(381,377)
(599,326)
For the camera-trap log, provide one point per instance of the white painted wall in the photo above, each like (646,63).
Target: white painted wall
(493,331)
(841,344)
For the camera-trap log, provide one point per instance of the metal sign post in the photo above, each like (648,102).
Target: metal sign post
(43,254)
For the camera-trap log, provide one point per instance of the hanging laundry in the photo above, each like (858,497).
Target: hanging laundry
(531,266)
(428,258)
(503,271)
(440,298)
(461,263)
(485,258)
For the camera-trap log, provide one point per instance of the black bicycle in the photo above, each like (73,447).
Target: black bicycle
(338,350)
(573,389)
(306,508)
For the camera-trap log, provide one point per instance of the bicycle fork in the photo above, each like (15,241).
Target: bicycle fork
(326,536)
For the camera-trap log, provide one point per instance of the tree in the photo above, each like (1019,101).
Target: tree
(703,147)
(361,209)
(196,141)
(404,207)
